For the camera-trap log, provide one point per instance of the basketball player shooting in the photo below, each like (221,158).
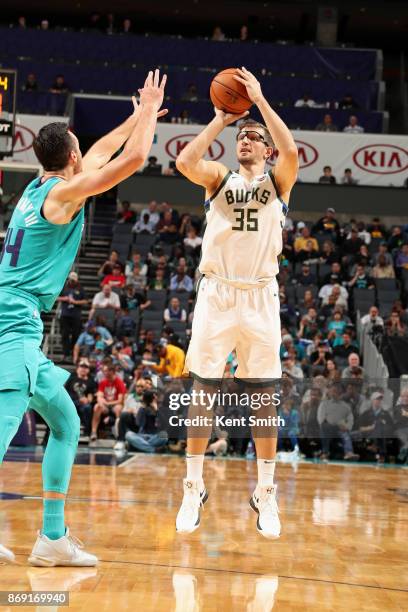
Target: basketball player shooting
(39,249)
(237,299)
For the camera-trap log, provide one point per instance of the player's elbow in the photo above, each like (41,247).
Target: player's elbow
(182,163)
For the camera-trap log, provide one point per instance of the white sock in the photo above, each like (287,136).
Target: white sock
(195,464)
(266,471)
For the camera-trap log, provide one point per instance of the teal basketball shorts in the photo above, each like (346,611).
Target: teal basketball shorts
(23,365)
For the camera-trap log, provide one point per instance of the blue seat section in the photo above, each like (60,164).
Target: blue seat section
(125,80)
(332,63)
(95,117)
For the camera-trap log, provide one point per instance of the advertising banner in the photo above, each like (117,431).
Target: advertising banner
(374,159)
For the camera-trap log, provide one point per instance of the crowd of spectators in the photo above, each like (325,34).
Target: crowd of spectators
(139,324)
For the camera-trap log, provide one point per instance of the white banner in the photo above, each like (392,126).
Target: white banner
(375,159)
(27,127)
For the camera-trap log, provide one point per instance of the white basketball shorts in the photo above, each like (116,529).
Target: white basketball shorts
(227,318)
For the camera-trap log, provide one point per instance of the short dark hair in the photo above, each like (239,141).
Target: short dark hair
(52,146)
(252,123)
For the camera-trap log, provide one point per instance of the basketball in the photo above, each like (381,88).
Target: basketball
(229,95)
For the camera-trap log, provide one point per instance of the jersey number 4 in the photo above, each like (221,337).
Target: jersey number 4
(13,249)
(246,219)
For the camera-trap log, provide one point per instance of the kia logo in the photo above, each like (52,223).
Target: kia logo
(381,159)
(177,144)
(307,154)
(23,138)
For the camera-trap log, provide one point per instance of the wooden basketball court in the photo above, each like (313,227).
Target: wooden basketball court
(343,547)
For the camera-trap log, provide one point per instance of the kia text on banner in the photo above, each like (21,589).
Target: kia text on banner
(375,159)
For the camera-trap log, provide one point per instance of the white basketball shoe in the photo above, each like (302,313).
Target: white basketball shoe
(66,551)
(195,496)
(6,556)
(263,501)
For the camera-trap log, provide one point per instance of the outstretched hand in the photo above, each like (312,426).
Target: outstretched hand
(228,118)
(251,83)
(136,109)
(153,89)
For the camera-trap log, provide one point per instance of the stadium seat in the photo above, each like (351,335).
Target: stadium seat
(385,284)
(389,295)
(108,314)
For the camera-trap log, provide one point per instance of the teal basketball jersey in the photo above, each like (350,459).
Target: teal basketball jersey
(37,255)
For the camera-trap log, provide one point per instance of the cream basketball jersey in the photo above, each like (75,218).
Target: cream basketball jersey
(243,237)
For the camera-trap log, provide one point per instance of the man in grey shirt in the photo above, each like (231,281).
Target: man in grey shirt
(335,418)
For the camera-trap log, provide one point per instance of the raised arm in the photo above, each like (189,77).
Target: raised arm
(68,196)
(103,149)
(286,167)
(191,162)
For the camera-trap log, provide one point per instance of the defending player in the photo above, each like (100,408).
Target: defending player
(39,249)
(237,299)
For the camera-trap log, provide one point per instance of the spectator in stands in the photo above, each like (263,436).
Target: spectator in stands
(31,83)
(394,326)
(335,274)
(300,241)
(397,239)
(159,281)
(347,178)
(306,277)
(218,34)
(305,102)
(116,279)
(87,340)
(329,253)
(180,281)
(308,253)
(308,325)
(328,224)
(110,399)
(95,21)
(309,441)
(152,168)
(171,360)
(327,125)
(133,402)
(150,436)
(191,93)
(131,299)
(290,366)
(192,242)
(336,421)
(353,361)
(136,260)
(348,102)
(22,23)
(244,33)
(351,247)
(152,211)
(167,228)
(175,311)
(137,279)
(377,229)
(344,349)
(361,279)
(165,207)
(383,269)
(126,215)
(126,26)
(372,319)
(105,299)
(377,424)
(327,289)
(331,372)
(144,225)
(107,266)
(327,177)
(120,357)
(383,250)
(336,327)
(125,326)
(401,261)
(59,86)
(82,388)
(110,27)
(401,424)
(72,299)
(44,24)
(353,126)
